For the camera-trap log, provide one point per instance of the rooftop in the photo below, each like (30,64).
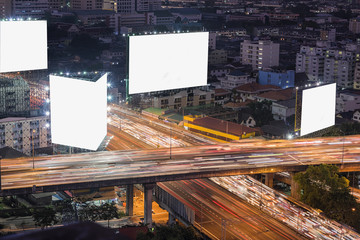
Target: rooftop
(287,103)
(223,126)
(277,95)
(237,72)
(256,87)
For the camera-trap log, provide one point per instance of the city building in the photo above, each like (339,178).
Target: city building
(212,40)
(222,96)
(86,4)
(283,109)
(234,79)
(148,5)
(283,79)
(57,4)
(164,18)
(357,76)
(125,6)
(354,25)
(260,54)
(184,98)
(218,129)
(187,14)
(339,67)
(356,116)
(347,101)
(5,8)
(25,134)
(217,57)
(94,17)
(29,8)
(311,61)
(250,90)
(276,95)
(14,96)
(328,35)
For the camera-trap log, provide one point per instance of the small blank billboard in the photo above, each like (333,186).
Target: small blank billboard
(23,45)
(78,111)
(167,61)
(318,108)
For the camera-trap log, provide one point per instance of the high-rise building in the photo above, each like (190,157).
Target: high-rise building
(357,76)
(148,5)
(5,8)
(14,96)
(311,61)
(125,6)
(86,4)
(339,67)
(354,25)
(57,4)
(29,8)
(260,54)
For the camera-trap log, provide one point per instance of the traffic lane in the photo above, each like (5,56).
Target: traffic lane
(216,211)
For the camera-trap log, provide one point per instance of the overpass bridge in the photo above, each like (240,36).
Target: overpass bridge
(101,169)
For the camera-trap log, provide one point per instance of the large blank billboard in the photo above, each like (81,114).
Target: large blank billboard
(167,61)
(318,108)
(78,111)
(23,45)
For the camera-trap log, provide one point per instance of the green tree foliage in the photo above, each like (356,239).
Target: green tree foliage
(174,232)
(261,111)
(85,46)
(323,188)
(44,217)
(351,128)
(108,211)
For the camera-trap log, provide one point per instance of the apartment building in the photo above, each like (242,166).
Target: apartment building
(311,61)
(25,134)
(14,96)
(29,8)
(339,67)
(260,54)
(184,98)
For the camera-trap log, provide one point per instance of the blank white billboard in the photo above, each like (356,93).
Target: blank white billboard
(167,61)
(23,45)
(78,111)
(318,108)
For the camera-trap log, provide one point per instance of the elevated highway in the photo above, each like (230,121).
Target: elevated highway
(100,169)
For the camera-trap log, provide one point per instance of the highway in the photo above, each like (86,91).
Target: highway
(247,156)
(153,132)
(223,215)
(285,209)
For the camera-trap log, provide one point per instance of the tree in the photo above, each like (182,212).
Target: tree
(44,217)
(174,232)
(351,128)
(108,211)
(323,188)
(86,46)
(261,111)
(89,212)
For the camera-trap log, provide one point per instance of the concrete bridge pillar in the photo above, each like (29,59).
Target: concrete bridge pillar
(269,180)
(148,187)
(172,219)
(130,199)
(294,187)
